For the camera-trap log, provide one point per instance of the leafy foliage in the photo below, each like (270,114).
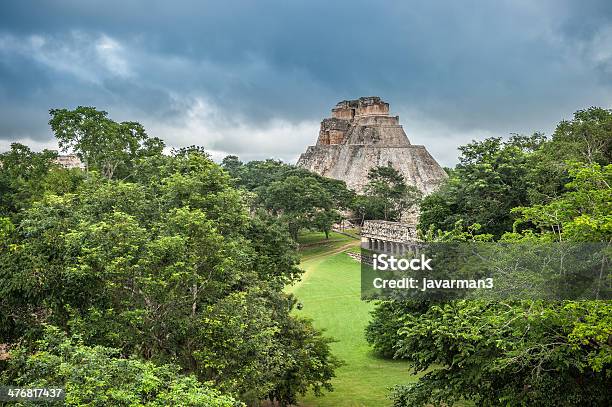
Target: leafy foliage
(101,143)
(299,198)
(387,190)
(585,138)
(158,257)
(584,213)
(22,177)
(492,177)
(529,191)
(527,353)
(99,376)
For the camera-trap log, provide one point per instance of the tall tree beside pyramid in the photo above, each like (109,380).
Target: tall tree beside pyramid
(360,135)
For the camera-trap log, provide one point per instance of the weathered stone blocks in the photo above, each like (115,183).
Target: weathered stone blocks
(361,135)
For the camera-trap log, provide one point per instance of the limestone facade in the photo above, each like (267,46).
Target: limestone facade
(70,161)
(361,135)
(390,231)
(391,237)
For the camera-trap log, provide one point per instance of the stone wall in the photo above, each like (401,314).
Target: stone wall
(365,106)
(390,237)
(389,231)
(343,113)
(333,131)
(69,161)
(351,163)
(372,106)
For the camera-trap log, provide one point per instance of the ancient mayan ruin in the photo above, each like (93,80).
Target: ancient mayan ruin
(361,135)
(69,161)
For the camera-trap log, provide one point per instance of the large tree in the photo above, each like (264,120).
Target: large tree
(492,177)
(387,189)
(300,198)
(99,376)
(301,203)
(172,268)
(101,143)
(22,176)
(512,352)
(507,353)
(586,137)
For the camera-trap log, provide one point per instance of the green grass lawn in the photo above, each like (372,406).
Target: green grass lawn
(315,244)
(330,294)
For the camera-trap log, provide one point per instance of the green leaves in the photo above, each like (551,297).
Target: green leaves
(6,229)
(523,352)
(169,267)
(495,176)
(387,189)
(101,143)
(586,137)
(491,179)
(98,376)
(584,213)
(301,202)
(503,353)
(23,177)
(299,198)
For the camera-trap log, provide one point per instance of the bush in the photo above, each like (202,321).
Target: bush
(513,354)
(98,376)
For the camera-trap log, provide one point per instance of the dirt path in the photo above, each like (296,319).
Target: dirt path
(333,251)
(320,256)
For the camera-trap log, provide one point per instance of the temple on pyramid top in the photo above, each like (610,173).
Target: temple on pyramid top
(360,135)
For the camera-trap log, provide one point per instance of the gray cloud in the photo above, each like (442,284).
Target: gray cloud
(254,78)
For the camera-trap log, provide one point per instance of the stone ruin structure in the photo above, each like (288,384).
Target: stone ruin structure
(69,161)
(361,135)
(389,237)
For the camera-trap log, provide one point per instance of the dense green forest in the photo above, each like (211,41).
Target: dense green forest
(546,353)
(159,279)
(148,265)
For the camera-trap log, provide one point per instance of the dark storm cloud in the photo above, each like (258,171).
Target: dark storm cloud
(255,76)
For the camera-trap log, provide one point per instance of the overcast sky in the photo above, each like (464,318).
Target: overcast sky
(254,78)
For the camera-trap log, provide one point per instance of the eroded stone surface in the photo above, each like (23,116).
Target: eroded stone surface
(361,135)
(388,231)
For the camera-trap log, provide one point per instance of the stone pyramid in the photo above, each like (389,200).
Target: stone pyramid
(361,135)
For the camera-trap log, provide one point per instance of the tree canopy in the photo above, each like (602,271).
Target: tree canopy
(101,143)
(99,376)
(300,198)
(159,258)
(526,190)
(387,190)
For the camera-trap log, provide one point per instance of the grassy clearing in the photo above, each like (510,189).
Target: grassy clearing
(353,232)
(310,238)
(315,244)
(330,294)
